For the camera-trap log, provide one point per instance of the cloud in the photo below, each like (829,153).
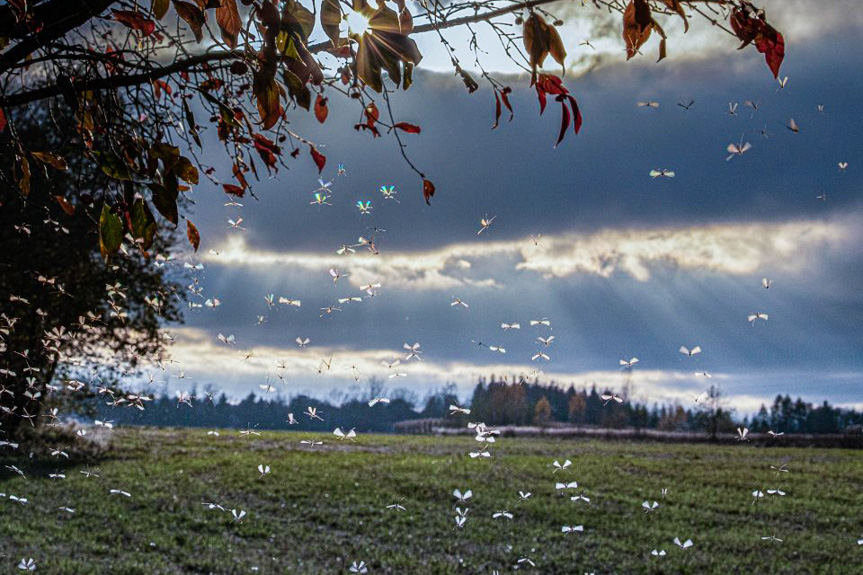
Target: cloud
(292,370)
(734,249)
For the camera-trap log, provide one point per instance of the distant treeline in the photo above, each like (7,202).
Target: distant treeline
(494,402)
(500,403)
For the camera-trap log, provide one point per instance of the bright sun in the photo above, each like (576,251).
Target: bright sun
(357,23)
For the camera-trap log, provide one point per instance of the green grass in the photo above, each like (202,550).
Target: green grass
(321,509)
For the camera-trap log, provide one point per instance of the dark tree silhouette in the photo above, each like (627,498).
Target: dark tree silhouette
(68,317)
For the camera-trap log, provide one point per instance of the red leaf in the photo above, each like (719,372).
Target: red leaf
(372,115)
(135,21)
(267,149)
(504,95)
(496,110)
(409,128)
(321,110)
(564,119)
(2,121)
(192,233)
(234,190)
(749,25)
(319,158)
(575,112)
(772,45)
(428,191)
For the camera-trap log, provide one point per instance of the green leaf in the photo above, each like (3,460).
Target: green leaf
(110,232)
(112,165)
(186,171)
(190,121)
(160,8)
(165,198)
(297,89)
(143,223)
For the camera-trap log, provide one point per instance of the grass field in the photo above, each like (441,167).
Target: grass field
(322,508)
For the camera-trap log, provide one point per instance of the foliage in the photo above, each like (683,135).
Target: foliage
(68,314)
(250,66)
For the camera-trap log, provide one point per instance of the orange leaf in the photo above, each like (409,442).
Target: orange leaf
(228,19)
(193,16)
(192,233)
(428,191)
(135,21)
(321,110)
(65,205)
(637,25)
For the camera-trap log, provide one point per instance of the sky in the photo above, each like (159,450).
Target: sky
(626,265)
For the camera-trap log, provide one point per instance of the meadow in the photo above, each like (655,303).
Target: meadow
(323,507)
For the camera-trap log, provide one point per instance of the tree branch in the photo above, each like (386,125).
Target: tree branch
(190,63)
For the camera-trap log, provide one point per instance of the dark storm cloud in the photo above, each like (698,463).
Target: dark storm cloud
(595,181)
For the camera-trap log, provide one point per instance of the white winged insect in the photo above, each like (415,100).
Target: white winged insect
(737,149)
(580,497)
(238,515)
(661,173)
(732,108)
(683,545)
(485,224)
(302,341)
(481,454)
(546,341)
(792,125)
(458,302)
(766,283)
(524,495)
(628,363)
(658,553)
(572,529)
(540,355)
(647,104)
(756,495)
(462,497)
(501,515)
(742,434)
(772,538)
(359,567)
(263,469)
(376,400)
(753,317)
(454,409)
(558,466)
(312,412)
(120,492)
(509,326)
(389,193)
(775,434)
(607,397)
(649,507)
(336,275)
(561,486)
(690,352)
(413,351)
(341,435)
(541,322)
(27,564)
